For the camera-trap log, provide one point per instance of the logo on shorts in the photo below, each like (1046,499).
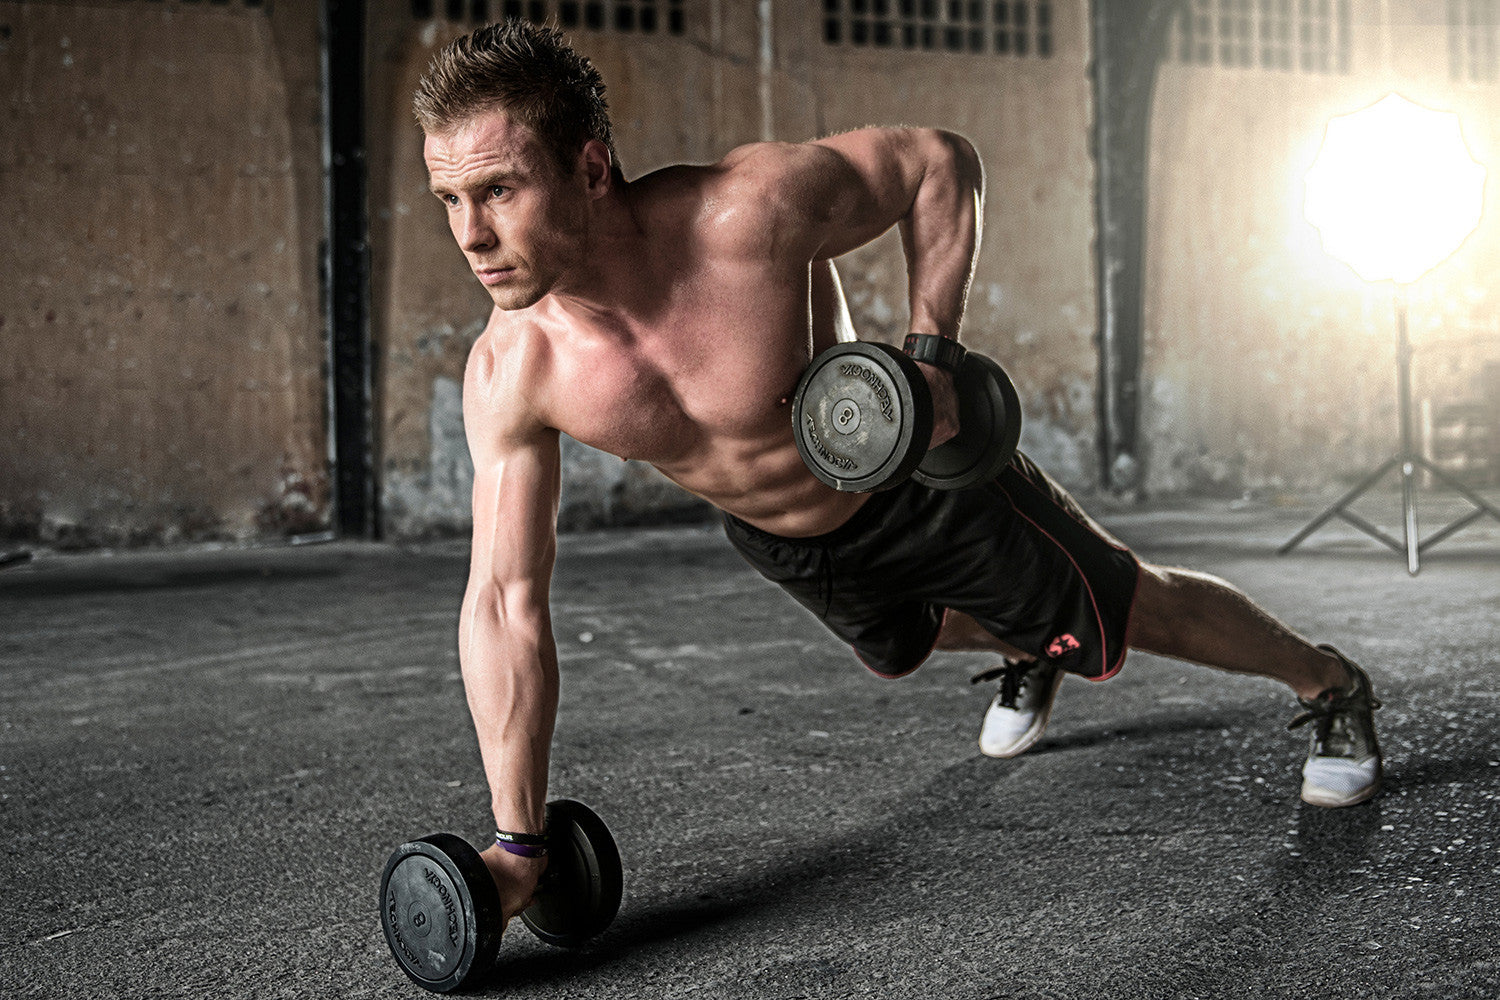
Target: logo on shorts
(1063,645)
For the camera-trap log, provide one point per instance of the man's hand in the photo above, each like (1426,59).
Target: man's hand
(944,404)
(516,878)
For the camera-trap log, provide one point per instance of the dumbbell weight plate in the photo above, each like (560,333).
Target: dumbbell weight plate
(989,421)
(440,912)
(862,416)
(581,890)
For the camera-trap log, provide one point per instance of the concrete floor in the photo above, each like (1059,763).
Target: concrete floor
(207,755)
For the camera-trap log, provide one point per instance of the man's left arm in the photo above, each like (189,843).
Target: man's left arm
(929,183)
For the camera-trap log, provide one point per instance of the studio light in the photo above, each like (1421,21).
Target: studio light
(1393,193)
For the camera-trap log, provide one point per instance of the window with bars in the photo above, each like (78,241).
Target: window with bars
(1474,40)
(1001,27)
(645,16)
(1308,36)
(258,4)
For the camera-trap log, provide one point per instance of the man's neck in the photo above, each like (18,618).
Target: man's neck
(611,280)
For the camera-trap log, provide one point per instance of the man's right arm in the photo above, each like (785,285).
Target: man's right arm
(506,649)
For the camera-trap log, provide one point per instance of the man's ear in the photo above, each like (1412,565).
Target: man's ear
(596,163)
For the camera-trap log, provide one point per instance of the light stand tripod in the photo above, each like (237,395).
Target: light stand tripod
(1408,461)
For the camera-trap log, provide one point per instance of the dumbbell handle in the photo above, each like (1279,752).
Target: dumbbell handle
(940,352)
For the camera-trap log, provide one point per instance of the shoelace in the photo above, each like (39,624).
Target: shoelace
(1325,712)
(1323,709)
(1011,675)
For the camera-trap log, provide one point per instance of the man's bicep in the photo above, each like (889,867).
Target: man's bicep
(517,484)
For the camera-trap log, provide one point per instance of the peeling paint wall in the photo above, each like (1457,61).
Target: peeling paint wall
(1270,366)
(734,78)
(161,183)
(161,188)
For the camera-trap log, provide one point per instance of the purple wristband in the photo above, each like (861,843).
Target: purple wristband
(522,850)
(525,845)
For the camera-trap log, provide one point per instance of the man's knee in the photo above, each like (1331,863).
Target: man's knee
(1171,601)
(1163,598)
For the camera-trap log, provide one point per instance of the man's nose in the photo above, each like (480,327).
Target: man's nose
(475,233)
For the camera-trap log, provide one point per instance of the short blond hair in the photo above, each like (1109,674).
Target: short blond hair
(528,70)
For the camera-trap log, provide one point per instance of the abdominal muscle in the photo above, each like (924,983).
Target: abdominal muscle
(726,440)
(772,490)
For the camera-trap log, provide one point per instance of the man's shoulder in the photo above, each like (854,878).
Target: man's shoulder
(753,191)
(775,156)
(504,331)
(746,170)
(510,347)
(502,371)
(761,164)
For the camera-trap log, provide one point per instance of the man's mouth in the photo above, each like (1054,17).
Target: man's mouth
(493,275)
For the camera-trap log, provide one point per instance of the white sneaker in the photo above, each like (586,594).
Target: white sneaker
(1343,760)
(1018,715)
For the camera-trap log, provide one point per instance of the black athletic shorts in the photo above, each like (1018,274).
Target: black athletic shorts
(1017,554)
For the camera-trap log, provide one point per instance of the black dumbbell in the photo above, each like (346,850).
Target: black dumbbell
(862,419)
(440,909)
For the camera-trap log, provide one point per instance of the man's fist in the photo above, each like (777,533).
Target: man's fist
(516,878)
(944,404)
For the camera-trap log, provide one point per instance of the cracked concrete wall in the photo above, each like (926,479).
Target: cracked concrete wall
(159,310)
(691,98)
(1270,366)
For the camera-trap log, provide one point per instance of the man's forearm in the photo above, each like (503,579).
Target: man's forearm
(510,679)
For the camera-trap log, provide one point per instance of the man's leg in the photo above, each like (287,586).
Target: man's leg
(1200,618)
(1203,619)
(1196,617)
(1193,616)
(964,634)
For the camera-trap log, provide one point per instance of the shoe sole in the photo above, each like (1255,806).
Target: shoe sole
(1029,738)
(1330,800)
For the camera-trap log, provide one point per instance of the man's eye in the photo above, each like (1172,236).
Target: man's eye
(496,190)
(450,199)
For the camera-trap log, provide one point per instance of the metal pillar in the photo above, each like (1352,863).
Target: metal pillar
(1129,42)
(346,269)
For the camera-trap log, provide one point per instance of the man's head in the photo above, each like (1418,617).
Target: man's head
(517,150)
(528,71)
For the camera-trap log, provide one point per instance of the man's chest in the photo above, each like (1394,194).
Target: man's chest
(712,363)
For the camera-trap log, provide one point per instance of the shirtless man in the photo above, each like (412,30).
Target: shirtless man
(667,319)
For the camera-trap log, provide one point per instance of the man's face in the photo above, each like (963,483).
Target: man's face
(521,223)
